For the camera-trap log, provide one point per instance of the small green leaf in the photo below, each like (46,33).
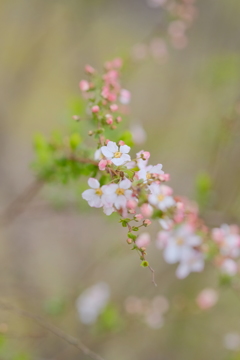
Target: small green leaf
(75,140)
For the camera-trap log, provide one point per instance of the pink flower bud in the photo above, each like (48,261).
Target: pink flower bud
(95,109)
(118,119)
(84,85)
(76,117)
(147,222)
(121,143)
(112,97)
(114,107)
(131,204)
(207,299)
(107,141)
(146,155)
(117,63)
(102,164)
(109,162)
(109,121)
(146,210)
(138,217)
(89,69)
(129,241)
(143,240)
(164,177)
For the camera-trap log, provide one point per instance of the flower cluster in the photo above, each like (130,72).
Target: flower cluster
(138,191)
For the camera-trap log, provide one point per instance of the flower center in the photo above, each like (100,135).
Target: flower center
(120,191)
(161,197)
(117,154)
(98,192)
(148,175)
(180,241)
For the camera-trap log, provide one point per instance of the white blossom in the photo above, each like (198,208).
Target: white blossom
(118,155)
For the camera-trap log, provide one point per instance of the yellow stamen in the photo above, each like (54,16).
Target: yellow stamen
(148,176)
(117,154)
(180,241)
(120,191)
(98,192)
(161,197)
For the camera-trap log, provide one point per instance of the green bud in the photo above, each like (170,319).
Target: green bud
(144,263)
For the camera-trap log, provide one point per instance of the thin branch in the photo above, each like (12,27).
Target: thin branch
(20,204)
(53,329)
(153,275)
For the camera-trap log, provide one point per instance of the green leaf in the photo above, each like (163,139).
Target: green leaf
(127,138)
(75,140)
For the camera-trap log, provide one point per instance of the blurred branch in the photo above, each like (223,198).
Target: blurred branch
(53,329)
(20,204)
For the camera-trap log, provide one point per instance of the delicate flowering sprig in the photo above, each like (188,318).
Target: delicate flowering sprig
(131,187)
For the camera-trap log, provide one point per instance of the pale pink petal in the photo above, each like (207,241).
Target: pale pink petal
(125,157)
(125,149)
(106,152)
(88,194)
(96,202)
(171,253)
(182,271)
(152,199)
(108,210)
(120,202)
(93,183)
(109,189)
(125,184)
(128,194)
(112,146)
(118,161)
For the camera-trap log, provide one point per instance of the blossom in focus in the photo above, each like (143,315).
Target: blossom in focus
(207,298)
(92,302)
(94,195)
(118,194)
(160,196)
(148,172)
(118,155)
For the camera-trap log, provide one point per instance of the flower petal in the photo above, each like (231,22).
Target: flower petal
(106,152)
(112,146)
(118,161)
(93,183)
(120,202)
(88,194)
(182,271)
(125,184)
(125,149)
(171,253)
(125,158)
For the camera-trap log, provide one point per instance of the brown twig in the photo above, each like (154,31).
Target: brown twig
(20,204)
(153,275)
(53,329)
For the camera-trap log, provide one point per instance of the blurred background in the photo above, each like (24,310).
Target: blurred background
(70,264)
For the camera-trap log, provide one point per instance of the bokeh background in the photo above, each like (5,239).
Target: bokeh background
(188,105)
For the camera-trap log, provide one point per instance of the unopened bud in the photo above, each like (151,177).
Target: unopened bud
(129,241)
(90,133)
(147,222)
